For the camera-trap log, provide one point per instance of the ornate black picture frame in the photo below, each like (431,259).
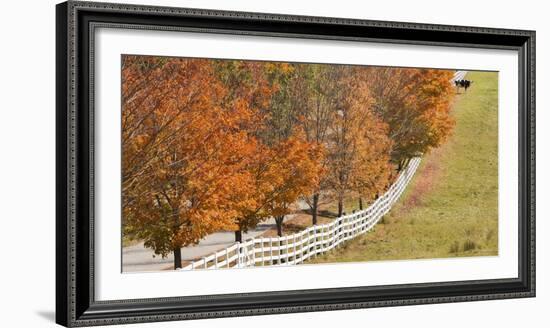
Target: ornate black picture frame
(75,301)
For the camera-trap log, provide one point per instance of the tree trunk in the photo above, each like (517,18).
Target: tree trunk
(360,203)
(239,236)
(177,258)
(279,221)
(340,206)
(177,250)
(314,208)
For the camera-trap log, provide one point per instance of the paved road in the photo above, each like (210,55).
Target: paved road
(138,258)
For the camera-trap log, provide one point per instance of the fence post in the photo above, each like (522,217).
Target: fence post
(308,242)
(271,250)
(315,241)
(263,254)
(345,228)
(327,237)
(353,224)
(334,233)
(301,246)
(280,242)
(238,250)
(253,252)
(244,255)
(226,257)
(323,237)
(294,247)
(287,252)
(345,225)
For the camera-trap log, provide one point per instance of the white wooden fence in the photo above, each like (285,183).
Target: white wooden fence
(298,247)
(459,75)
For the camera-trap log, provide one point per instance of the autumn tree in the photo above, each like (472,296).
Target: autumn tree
(313,92)
(283,165)
(415,103)
(293,171)
(183,152)
(282,116)
(213,145)
(375,172)
(358,148)
(247,85)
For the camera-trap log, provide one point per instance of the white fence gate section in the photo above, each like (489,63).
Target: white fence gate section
(296,248)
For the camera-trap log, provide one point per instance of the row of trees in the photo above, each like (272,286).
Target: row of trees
(213,145)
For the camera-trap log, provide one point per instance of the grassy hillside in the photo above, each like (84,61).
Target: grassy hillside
(451,206)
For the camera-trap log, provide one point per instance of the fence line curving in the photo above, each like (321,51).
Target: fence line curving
(296,248)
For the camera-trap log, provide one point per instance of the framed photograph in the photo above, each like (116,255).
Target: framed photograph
(214,163)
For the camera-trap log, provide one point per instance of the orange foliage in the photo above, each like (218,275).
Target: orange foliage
(291,169)
(415,103)
(183,152)
(358,145)
(211,145)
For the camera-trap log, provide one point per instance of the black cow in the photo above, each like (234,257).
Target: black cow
(463,84)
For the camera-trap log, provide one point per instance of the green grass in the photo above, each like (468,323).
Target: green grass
(451,206)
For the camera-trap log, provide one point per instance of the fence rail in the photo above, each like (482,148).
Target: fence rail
(459,75)
(296,248)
